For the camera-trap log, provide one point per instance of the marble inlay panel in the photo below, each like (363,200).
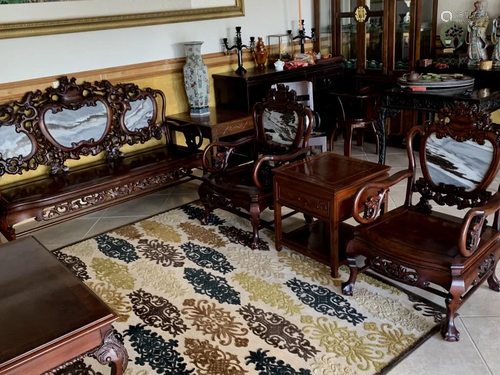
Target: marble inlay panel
(73,126)
(463,164)
(141,111)
(280,127)
(13,144)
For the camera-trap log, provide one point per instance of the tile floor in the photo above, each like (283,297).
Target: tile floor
(479,320)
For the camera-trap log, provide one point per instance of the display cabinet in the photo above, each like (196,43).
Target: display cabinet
(376,35)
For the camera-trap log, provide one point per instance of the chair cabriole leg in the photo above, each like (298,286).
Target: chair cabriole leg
(493,281)
(255,214)
(453,302)
(203,193)
(348,286)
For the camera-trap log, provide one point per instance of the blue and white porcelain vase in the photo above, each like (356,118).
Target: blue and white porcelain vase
(196,79)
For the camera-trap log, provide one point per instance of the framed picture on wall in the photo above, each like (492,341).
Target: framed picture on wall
(22,18)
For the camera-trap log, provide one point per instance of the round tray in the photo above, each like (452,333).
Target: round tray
(446,81)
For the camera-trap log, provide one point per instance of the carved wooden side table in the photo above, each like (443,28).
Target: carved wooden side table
(322,186)
(219,124)
(48,317)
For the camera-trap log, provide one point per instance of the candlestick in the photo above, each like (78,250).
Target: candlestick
(302,36)
(239,49)
(300,15)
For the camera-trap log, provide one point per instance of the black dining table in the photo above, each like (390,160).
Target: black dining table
(430,101)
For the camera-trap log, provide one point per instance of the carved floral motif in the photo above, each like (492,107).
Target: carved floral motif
(75,205)
(404,274)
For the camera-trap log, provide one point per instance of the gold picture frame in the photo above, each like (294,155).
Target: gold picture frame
(26,29)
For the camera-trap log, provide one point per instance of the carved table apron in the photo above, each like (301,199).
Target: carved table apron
(322,186)
(397,99)
(49,319)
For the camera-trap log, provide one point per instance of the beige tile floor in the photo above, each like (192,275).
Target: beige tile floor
(479,320)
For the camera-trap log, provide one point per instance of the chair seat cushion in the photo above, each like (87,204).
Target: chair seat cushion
(237,182)
(419,238)
(97,178)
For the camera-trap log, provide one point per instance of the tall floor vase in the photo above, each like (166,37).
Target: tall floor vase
(196,79)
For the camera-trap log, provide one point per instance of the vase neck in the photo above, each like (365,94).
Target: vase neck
(193,48)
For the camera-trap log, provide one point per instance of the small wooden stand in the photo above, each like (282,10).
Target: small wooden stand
(323,187)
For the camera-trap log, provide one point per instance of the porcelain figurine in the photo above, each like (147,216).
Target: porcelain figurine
(260,54)
(476,33)
(495,39)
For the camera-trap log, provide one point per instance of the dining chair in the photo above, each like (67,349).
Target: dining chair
(356,112)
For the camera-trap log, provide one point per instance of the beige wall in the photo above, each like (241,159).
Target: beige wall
(26,58)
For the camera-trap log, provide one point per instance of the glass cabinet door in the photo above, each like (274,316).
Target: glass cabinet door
(349,41)
(377,35)
(427,28)
(360,26)
(374,35)
(323,18)
(402,45)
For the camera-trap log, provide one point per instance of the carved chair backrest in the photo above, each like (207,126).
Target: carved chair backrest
(363,106)
(281,122)
(459,156)
(74,120)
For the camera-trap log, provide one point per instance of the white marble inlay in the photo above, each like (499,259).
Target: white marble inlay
(462,164)
(72,126)
(280,127)
(141,111)
(13,144)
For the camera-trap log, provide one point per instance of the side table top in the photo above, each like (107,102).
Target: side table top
(41,301)
(217,116)
(331,170)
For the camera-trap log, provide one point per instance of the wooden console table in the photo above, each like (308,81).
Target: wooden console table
(48,316)
(241,92)
(322,186)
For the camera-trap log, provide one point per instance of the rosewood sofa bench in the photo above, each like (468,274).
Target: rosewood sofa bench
(46,131)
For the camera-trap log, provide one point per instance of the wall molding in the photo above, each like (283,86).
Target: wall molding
(127,73)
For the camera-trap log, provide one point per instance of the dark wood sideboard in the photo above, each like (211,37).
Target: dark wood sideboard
(241,92)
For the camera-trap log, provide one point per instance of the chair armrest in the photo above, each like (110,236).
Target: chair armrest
(277,158)
(192,133)
(473,224)
(372,204)
(224,151)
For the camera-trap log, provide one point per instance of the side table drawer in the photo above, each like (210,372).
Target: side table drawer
(234,127)
(319,206)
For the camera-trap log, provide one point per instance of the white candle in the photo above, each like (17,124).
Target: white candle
(300,15)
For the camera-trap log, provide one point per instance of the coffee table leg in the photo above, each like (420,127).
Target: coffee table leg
(277,220)
(334,244)
(112,352)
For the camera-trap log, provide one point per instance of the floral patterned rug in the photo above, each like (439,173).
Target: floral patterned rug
(196,299)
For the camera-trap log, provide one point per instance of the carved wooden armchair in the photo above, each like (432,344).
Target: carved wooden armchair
(459,157)
(281,135)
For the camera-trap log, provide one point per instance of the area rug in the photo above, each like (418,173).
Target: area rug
(196,299)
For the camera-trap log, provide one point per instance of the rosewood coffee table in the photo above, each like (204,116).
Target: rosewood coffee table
(322,186)
(48,316)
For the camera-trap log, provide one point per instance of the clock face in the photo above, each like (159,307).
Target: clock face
(360,13)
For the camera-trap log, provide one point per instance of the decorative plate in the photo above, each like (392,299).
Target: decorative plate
(453,35)
(438,81)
